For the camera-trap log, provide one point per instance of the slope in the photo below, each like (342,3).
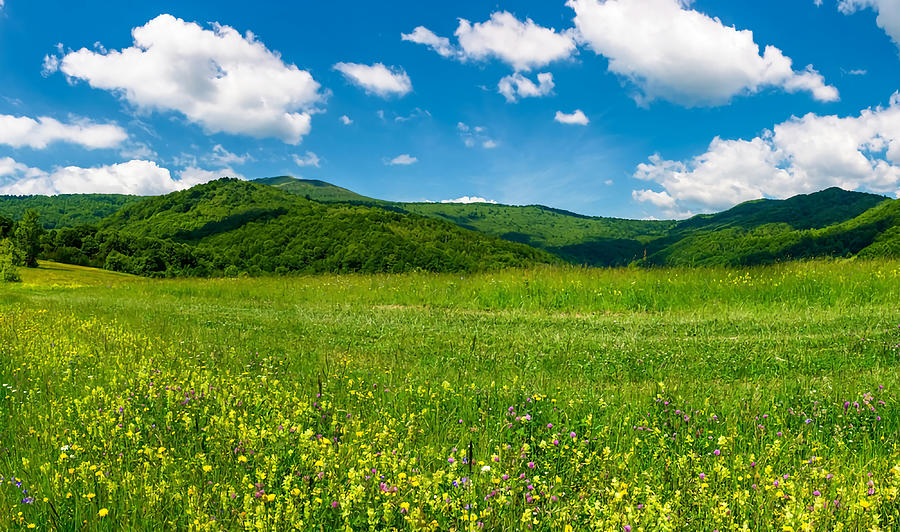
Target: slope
(252,227)
(65,210)
(575,238)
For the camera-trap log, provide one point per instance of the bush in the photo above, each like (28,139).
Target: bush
(9,273)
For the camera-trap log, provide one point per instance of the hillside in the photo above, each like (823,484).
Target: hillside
(235,226)
(318,190)
(575,238)
(871,232)
(805,211)
(754,232)
(65,210)
(286,224)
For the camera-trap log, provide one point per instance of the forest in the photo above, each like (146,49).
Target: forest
(283,225)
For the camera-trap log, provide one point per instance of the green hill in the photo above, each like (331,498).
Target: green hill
(65,210)
(753,232)
(236,226)
(288,224)
(575,238)
(318,190)
(806,211)
(857,227)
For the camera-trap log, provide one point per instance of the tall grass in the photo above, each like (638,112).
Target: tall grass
(267,403)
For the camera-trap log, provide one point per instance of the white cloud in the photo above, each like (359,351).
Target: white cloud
(575,118)
(423,35)
(345,120)
(674,53)
(402,160)
(522,45)
(888,14)
(660,199)
(219,79)
(798,156)
(415,113)
(223,157)
(468,199)
(132,177)
(377,79)
(310,159)
(475,135)
(518,86)
(19,131)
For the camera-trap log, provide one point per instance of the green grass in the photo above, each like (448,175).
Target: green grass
(414,368)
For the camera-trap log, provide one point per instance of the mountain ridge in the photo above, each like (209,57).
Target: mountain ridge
(832,222)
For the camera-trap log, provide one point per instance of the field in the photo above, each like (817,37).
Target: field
(544,399)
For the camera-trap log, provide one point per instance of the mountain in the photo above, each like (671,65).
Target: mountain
(318,190)
(830,223)
(805,211)
(285,224)
(65,210)
(575,238)
(753,232)
(236,226)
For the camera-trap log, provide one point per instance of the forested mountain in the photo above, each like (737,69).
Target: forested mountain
(754,232)
(65,210)
(830,223)
(231,226)
(283,224)
(318,190)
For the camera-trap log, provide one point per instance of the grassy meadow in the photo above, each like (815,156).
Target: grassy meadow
(545,399)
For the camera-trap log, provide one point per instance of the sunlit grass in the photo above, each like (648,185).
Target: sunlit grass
(596,399)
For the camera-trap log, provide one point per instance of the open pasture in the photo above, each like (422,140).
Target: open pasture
(547,399)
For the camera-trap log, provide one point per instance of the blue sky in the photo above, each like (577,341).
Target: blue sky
(628,108)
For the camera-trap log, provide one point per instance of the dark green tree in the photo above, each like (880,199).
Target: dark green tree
(28,237)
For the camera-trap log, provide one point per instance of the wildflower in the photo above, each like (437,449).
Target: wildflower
(103,512)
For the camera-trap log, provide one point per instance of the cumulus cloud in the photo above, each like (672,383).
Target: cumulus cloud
(310,159)
(377,79)
(132,177)
(522,45)
(217,78)
(19,131)
(346,120)
(668,51)
(577,118)
(469,199)
(422,35)
(888,14)
(402,160)
(517,86)
(223,157)
(798,156)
